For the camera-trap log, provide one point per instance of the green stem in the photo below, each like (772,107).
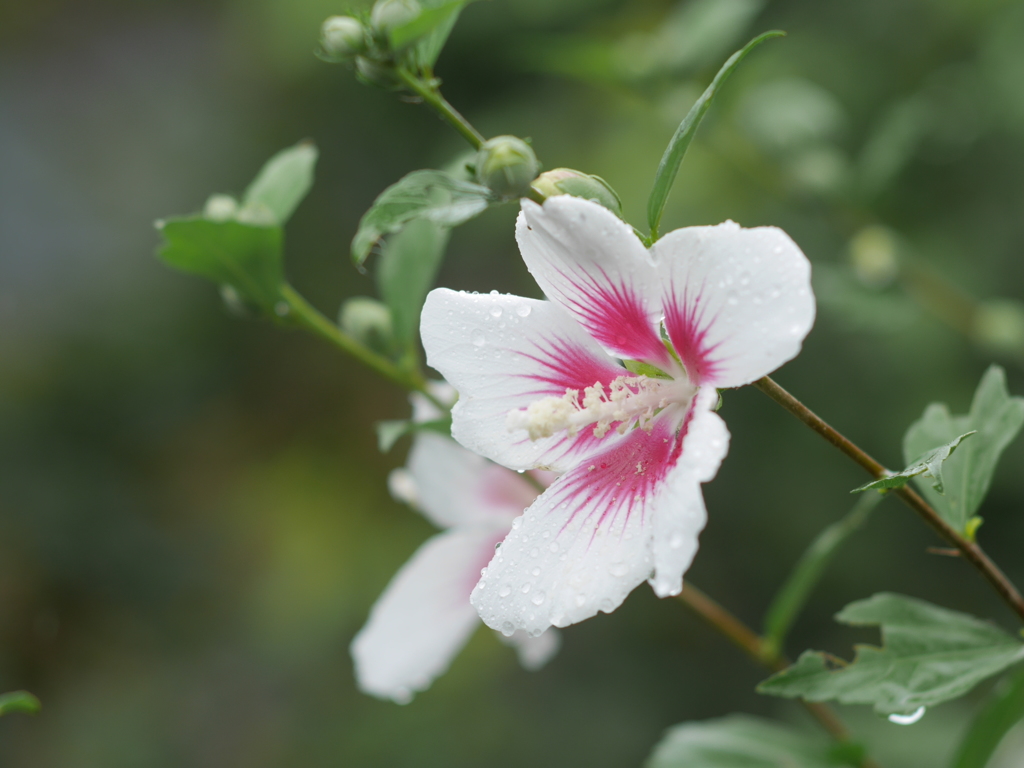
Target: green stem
(305,315)
(433,98)
(792,596)
(754,646)
(968,549)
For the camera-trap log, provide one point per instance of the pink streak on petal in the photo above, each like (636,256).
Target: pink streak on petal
(615,315)
(621,480)
(688,327)
(567,366)
(564,365)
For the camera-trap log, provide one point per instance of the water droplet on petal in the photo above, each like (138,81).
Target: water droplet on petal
(477,337)
(505,591)
(495,311)
(507,628)
(538,598)
(526,588)
(620,569)
(523,310)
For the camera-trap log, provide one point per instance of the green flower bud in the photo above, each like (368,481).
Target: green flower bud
(388,14)
(342,37)
(566,181)
(368,321)
(874,253)
(999,325)
(373,73)
(220,208)
(506,165)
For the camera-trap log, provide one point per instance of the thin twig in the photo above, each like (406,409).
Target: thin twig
(754,646)
(969,550)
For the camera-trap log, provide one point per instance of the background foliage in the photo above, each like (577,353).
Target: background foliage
(193,513)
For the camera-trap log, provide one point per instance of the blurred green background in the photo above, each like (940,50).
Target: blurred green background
(193,513)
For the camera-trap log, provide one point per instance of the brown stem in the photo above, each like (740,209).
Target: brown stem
(754,646)
(970,551)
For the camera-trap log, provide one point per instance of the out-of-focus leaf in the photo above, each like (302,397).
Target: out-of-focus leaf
(283,181)
(19,701)
(928,464)
(996,417)
(677,146)
(432,195)
(848,301)
(892,143)
(738,741)
(406,272)
(793,594)
(1003,711)
(390,432)
(693,36)
(246,257)
(788,115)
(929,655)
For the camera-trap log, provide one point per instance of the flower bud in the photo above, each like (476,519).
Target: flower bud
(220,208)
(506,165)
(371,72)
(368,321)
(388,14)
(999,325)
(874,253)
(342,37)
(566,181)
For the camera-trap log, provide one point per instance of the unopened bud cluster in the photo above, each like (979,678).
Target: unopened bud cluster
(367,42)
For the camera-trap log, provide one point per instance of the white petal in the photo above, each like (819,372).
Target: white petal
(534,652)
(737,302)
(423,618)
(678,511)
(585,543)
(455,486)
(589,261)
(502,353)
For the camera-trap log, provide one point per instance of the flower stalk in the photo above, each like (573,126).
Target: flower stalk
(968,549)
(303,314)
(432,97)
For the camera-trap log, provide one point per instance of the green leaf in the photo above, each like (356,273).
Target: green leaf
(283,181)
(996,417)
(1003,711)
(19,701)
(673,157)
(406,272)
(738,741)
(929,655)
(429,31)
(432,195)
(928,464)
(246,257)
(390,432)
(792,596)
